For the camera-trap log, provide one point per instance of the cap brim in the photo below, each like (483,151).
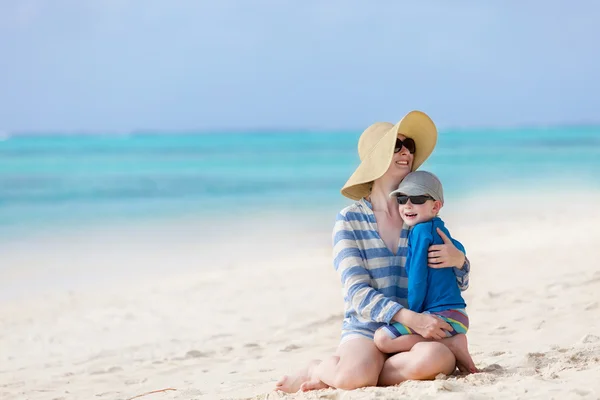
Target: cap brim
(410,190)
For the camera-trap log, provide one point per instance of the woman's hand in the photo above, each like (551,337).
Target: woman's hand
(426,325)
(429,326)
(445,255)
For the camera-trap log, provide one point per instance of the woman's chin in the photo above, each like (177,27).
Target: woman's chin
(401,171)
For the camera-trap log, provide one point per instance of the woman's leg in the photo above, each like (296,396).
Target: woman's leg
(292,383)
(424,361)
(457,344)
(357,364)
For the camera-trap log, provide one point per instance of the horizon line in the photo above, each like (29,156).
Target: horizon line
(269,130)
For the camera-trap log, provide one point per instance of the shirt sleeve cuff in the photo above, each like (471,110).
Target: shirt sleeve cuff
(460,272)
(387,318)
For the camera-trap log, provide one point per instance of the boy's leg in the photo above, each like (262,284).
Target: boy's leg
(389,344)
(457,340)
(459,346)
(395,338)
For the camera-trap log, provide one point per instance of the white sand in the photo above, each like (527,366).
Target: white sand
(102,320)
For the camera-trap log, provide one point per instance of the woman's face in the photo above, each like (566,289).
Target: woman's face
(401,163)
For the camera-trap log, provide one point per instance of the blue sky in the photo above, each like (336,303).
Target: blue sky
(191,64)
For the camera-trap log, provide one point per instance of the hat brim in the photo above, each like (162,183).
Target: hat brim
(415,125)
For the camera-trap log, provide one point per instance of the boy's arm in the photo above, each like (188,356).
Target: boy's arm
(418,270)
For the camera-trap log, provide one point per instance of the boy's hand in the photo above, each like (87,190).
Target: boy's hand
(445,255)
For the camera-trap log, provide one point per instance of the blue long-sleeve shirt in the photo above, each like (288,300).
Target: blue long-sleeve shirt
(430,289)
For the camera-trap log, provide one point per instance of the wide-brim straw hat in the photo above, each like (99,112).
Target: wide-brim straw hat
(376,149)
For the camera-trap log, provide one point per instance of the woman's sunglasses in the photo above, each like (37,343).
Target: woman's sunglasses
(408,143)
(418,200)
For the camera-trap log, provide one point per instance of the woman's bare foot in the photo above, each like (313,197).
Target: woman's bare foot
(292,383)
(313,384)
(459,346)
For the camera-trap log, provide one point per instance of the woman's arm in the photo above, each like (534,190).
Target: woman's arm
(451,254)
(356,280)
(462,275)
(426,325)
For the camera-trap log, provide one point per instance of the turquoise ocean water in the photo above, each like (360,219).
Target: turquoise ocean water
(58,180)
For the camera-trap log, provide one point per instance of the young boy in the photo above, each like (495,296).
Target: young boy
(430,290)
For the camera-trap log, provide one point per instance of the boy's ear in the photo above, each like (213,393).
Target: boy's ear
(437,206)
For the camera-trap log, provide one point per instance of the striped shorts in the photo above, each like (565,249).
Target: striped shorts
(457,319)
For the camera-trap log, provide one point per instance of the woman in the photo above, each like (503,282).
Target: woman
(370,244)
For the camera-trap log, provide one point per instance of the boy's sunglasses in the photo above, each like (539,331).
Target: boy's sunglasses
(421,199)
(408,143)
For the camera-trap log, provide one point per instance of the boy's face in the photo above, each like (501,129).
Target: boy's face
(413,214)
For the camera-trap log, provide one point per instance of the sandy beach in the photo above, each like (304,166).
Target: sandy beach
(113,314)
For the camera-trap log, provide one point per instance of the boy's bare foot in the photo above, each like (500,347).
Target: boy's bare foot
(459,346)
(292,383)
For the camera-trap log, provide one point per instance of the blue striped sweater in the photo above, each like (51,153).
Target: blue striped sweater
(374,280)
